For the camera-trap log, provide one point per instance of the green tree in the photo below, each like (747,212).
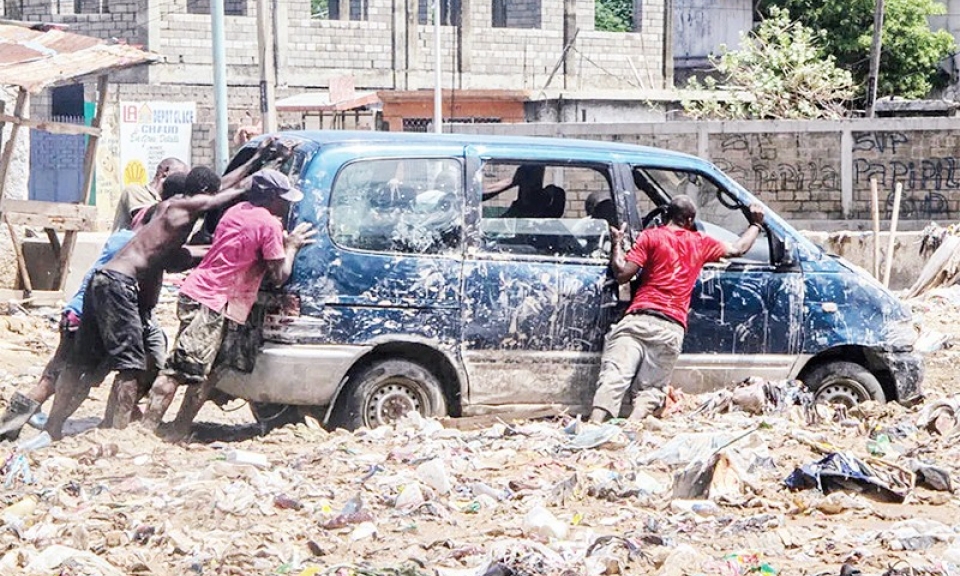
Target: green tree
(614,15)
(911,50)
(319,8)
(780,71)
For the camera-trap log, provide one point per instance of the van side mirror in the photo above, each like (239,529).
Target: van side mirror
(789,257)
(784,252)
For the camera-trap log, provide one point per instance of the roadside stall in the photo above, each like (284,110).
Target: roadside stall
(33,58)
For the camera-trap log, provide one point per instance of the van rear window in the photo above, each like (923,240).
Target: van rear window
(410,205)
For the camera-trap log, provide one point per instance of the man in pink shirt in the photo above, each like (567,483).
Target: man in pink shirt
(248,243)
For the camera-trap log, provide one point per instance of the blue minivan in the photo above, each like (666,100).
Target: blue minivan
(462,275)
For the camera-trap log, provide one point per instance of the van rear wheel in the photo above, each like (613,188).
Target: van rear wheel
(385,391)
(846,383)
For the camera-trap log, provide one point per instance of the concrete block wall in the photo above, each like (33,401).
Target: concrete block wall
(126,19)
(375,50)
(807,171)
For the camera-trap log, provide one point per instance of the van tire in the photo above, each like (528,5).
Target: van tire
(269,415)
(844,383)
(384,392)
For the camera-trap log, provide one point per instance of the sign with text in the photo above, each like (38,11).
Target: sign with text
(150,132)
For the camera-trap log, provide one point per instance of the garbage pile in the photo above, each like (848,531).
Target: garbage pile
(754,480)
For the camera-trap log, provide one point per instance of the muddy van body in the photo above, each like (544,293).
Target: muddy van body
(458,275)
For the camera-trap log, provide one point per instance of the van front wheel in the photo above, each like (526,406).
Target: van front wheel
(844,383)
(385,391)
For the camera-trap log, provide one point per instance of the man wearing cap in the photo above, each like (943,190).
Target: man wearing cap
(121,295)
(249,242)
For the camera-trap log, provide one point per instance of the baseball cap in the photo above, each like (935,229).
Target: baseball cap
(272,181)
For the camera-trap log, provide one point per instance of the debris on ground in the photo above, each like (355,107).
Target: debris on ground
(756,479)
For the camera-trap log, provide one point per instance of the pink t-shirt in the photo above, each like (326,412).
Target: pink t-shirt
(228,278)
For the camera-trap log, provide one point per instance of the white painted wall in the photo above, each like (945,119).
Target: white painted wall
(701,26)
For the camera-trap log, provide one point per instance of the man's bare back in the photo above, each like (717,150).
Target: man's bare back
(164,236)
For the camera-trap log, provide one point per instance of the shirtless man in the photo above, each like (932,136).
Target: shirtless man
(115,309)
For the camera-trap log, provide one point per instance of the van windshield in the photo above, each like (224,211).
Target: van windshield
(409,205)
(719,213)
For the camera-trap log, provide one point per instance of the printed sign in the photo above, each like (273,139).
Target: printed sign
(150,132)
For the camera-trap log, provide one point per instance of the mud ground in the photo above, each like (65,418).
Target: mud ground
(422,499)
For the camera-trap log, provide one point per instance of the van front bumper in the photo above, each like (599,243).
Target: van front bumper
(907,371)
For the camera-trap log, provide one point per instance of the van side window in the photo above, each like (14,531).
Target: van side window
(718,212)
(398,205)
(548,210)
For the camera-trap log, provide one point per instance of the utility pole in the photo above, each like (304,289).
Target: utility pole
(437,95)
(875,57)
(268,75)
(221,148)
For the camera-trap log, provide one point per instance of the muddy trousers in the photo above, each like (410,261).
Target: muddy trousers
(639,353)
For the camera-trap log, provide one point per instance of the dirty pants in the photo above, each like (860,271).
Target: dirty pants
(640,351)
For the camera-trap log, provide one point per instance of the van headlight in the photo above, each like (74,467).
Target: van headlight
(901,334)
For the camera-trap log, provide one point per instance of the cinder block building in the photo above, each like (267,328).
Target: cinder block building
(548,48)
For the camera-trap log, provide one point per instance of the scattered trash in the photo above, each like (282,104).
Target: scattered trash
(698,490)
(930,476)
(434,474)
(541,522)
(245,457)
(595,437)
(840,471)
(940,417)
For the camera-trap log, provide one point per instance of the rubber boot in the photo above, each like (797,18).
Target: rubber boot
(18,413)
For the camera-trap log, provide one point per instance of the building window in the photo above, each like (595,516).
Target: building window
(230,7)
(67,101)
(449,12)
(90,7)
(618,16)
(516,13)
(406,205)
(340,9)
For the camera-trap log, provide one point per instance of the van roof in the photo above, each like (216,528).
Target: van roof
(347,136)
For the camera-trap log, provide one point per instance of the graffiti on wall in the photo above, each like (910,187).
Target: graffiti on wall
(924,179)
(762,172)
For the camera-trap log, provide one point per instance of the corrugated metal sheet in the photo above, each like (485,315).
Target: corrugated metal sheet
(36,59)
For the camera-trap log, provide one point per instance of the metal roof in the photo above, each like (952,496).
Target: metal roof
(321,102)
(34,59)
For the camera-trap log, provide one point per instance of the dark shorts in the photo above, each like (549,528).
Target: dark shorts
(198,342)
(111,332)
(64,352)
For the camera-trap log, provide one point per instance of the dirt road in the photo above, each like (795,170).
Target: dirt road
(525,498)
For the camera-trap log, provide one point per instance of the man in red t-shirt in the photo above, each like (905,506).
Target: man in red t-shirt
(249,242)
(643,347)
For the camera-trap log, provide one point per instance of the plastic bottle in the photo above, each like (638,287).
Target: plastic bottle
(698,507)
(41,440)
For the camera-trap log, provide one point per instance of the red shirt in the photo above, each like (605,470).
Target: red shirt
(670,260)
(228,278)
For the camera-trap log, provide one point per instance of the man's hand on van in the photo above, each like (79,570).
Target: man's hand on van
(749,236)
(299,237)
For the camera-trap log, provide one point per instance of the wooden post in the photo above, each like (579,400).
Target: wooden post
(7,156)
(89,169)
(268,76)
(875,48)
(875,207)
(894,220)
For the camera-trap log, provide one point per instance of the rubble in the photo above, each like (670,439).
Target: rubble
(699,492)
